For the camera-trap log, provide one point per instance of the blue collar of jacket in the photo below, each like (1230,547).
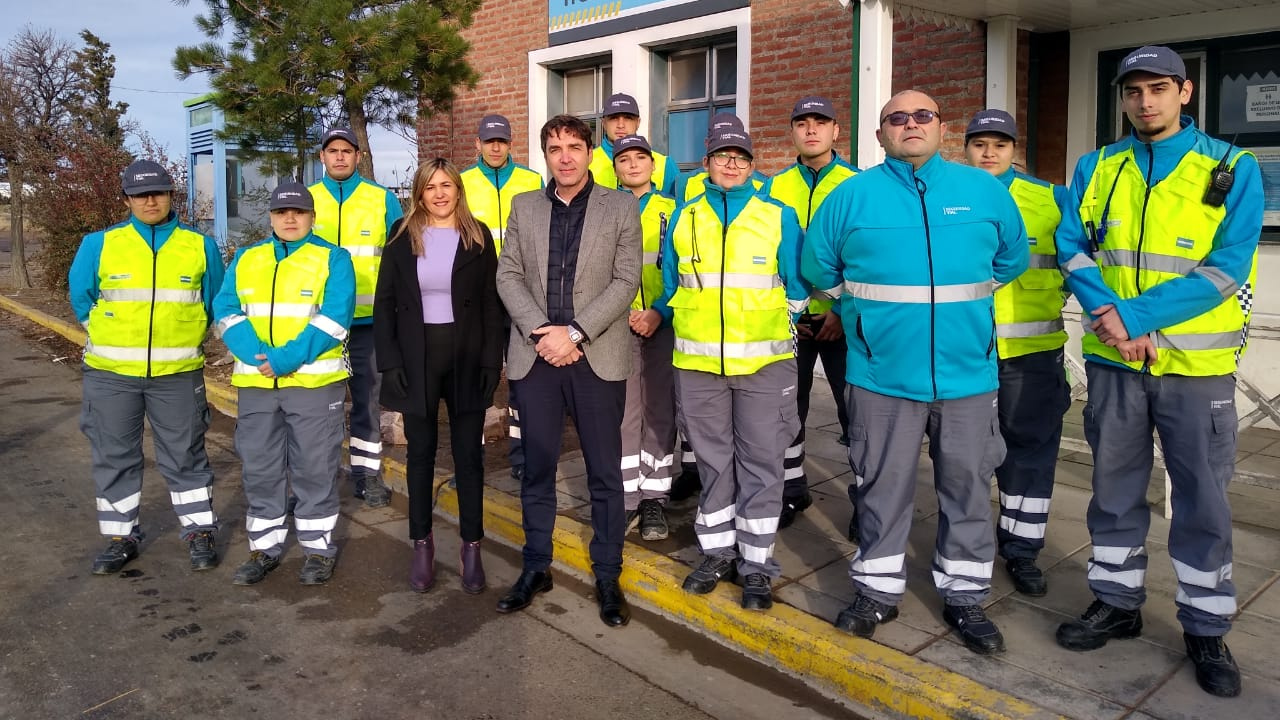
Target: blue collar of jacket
(1162,155)
(285,248)
(342,188)
(731,200)
(907,174)
(813,178)
(160,232)
(607,146)
(496,175)
(1008,176)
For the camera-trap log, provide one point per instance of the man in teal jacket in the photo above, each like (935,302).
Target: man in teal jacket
(913,246)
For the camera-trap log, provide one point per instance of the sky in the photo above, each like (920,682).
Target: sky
(143,35)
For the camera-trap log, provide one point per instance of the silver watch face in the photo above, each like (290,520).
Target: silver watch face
(575,335)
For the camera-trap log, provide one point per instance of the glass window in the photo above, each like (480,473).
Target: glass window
(688,76)
(201,115)
(1249,90)
(701,82)
(726,71)
(585,90)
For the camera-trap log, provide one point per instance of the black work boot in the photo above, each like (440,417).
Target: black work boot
(862,617)
(757,594)
(376,493)
(200,547)
(653,521)
(317,569)
(1100,623)
(1216,670)
(791,507)
(119,551)
(712,570)
(1027,578)
(255,568)
(974,627)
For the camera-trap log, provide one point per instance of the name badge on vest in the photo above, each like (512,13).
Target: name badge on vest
(1186,243)
(305,293)
(184,278)
(366,233)
(121,276)
(1031,241)
(758,260)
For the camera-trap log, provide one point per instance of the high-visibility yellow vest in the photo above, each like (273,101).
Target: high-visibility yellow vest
(790,188)
(653,224)
(359,226)
(150,317)
(1157,236)
(490,205)
(1029,309)
(280,299)
(730,310)
(602,169)
(694,187)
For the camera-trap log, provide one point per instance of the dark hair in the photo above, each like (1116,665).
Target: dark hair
(566,124)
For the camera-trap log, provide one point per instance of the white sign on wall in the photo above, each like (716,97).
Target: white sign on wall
(1262,103)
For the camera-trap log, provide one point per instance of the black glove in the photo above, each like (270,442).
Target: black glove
(488,383)
(397,381)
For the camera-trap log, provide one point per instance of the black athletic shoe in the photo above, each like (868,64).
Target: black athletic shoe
(756,592)
(633,521)
(255,568)
(200,547)
(712,570)
(976,630)
(1027,578)
(1100,623)
(517,473)
(1216,670)
(317,570)
(687,485)
(862,617)
(119,551)
(843,439)
(376,493)
(653,521)
(791,507)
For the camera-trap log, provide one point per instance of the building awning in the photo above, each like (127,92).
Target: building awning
(1041,16)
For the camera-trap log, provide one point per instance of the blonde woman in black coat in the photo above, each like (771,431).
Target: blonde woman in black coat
(438,333)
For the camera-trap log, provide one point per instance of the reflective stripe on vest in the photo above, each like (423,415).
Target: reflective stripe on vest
(150,318)
(1152,237)
(730,312)
(602,169)
(280,300)
(791,187)
(919,294)
(490,205)
(358,226)
(1028,310)
(653,222)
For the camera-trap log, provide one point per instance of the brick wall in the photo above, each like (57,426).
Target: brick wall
(501,36)
(948,64)
(798,47)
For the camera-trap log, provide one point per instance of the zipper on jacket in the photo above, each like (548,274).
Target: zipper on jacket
(724,253)
(151,317)
(271,314)
(498,192)
(339,240)
(862,336)
(1142,219)
(808,214)
(921,189)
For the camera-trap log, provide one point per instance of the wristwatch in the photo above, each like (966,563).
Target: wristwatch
(576,336)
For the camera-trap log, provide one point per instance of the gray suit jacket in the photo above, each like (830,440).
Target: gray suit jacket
(605,283)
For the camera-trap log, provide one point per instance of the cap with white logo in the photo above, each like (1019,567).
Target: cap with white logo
(292,196)
(992,121)
(339,133)
(621,104)
(813,105)
(729,138)
(494,127)
(1155,59)
(145,176)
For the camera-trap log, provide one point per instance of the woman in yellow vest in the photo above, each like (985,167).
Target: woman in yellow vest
(732,290)
(1033,394)
(284,313)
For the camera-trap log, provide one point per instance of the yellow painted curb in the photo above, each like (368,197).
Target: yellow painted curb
(789,639)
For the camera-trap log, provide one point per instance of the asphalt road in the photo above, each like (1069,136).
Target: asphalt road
(159,641)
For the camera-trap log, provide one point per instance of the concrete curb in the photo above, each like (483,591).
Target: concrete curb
(784,637)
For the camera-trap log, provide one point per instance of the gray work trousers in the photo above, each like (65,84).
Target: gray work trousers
(884,451)
(649,420)
(1034,396)
(741,464)
(366,413)
(294,433)
(1196,419)
(112,419)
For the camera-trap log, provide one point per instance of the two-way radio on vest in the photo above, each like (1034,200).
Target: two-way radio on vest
(1221,178)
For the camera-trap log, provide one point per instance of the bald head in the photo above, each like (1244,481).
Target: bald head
(911,141)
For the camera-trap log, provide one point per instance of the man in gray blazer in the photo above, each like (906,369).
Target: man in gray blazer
(569,269)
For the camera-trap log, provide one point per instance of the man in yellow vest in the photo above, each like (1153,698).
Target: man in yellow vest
(732,288)
(649,417)
(354,214)
(1160,243)
(1033,394)
(803,186)
(489,186)
(144,291)
(284,313)
(622,118)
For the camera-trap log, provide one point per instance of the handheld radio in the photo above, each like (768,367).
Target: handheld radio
(1221,178)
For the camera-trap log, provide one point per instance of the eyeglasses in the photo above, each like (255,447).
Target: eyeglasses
(898,119)
(740,162)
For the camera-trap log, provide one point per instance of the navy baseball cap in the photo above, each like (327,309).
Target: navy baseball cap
(992,121)
(339,133)
(145,176)
(632,142)
(1155,59)
(813,105)
(729,138)
(494,127)
(724,121)
(621,104)
(292,196)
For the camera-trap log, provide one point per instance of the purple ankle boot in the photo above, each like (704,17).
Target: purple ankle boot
(422,571)
(472,568)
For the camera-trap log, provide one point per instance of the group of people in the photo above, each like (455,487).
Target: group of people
(655,309)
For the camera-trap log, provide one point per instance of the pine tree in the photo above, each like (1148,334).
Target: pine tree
(95,67)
